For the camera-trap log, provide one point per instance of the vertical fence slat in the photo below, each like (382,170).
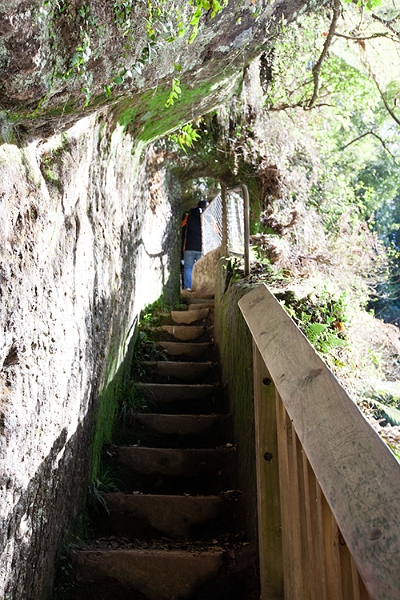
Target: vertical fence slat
(317,528)
(349,586)
(360,591)
(284,488)
(355,578)
(268,500)
(310,512)
(332,554)
(224,219)
(299,553)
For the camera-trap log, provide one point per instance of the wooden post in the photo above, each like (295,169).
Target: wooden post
(224,220)
(268,503)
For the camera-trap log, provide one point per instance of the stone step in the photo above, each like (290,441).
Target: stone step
(173,429)
(154,574)
(182,425)
(201,306)
(185,333)
(140,474)
(187,317)
(186,371)
(191,350)
(173,392)
(172,462)
(190,295)
(174,471)
(152,516)
(201,300)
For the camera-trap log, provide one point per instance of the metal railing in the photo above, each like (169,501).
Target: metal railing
(226,222)
(328,488)
(212,225)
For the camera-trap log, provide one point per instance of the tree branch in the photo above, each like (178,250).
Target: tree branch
(385,102)
(368,37)
(375,135)
(360,137)
(300,104)
(387,24)
(317,67)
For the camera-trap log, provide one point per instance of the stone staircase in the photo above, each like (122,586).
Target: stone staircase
(174,532)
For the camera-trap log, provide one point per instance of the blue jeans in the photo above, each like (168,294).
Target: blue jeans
(189,258)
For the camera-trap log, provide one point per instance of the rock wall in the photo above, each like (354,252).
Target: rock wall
(89,235)
(60,59)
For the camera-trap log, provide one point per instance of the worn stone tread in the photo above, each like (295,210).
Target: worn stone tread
(185,333)
(191,295)
(170,515)
(180,424)
(188,317)
(170,392)
(192,350)
(201,300)
(201,306)
(176,462)
(186,371)
(158,574)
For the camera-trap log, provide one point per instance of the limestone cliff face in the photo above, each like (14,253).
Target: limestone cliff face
(89,231)
(56,56)
(88,237)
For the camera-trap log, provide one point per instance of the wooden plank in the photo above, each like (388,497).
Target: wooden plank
(319,539)
(355,576)
(332,555)
(358,474)
(299,555)
(284,492)
(349,591)
(310,517)
(268,498)
(360,591)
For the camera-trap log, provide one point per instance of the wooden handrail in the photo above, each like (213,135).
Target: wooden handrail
(356,471)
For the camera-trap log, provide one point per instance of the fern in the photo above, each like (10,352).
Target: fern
(314,331)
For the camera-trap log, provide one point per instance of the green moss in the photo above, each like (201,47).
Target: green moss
(127,114)
(116,382)
(235,346)
(149,118)
(103,423)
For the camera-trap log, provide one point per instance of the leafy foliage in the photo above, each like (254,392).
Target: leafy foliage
(186,136)
(369,4)
(203,6)
(175,92)
(321,317)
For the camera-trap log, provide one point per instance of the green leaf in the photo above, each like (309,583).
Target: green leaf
(314,330)
(108,91)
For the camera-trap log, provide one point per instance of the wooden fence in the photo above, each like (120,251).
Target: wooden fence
(328,487)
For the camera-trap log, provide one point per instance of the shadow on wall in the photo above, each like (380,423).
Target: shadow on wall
(80,298)
(49,498)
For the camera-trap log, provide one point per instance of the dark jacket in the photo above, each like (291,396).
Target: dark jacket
(191,230)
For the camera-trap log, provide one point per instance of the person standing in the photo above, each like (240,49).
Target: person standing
(192,241)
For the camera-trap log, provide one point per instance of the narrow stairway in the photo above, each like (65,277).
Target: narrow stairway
(174,532)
